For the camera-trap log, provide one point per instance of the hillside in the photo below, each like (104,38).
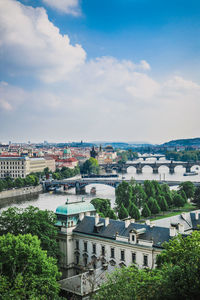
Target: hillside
(184,142)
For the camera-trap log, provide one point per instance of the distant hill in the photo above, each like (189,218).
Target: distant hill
(184,142)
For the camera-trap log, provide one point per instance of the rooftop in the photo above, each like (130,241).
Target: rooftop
(74,208)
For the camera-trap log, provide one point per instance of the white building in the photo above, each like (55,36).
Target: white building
(90,242)
(22,166)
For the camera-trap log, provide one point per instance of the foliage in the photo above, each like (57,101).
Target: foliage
(122,212)
(103,207)
(188,187)
(197,196)
(193,155)
(155,209)
(146,211)
(178,200)
(123,194)
(34,221)
(134,212)
(26,272)
(149,188)
(90,166)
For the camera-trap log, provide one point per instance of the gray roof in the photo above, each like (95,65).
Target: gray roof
(187,219)
(156,234)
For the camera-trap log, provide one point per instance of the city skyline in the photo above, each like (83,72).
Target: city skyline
(97,70)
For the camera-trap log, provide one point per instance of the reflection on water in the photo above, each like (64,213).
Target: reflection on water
(52,201)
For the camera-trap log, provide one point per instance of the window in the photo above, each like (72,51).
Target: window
(94,248)
(103,250)
(145,260)
(85,246)
(112,252)
(133,237)
(77,259)
(77,245)
(122,255)
(133,257)
(85,261)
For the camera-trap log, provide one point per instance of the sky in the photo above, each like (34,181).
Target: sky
(106,70)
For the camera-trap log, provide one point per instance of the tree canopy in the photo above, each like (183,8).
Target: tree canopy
(34,221)
(26,272)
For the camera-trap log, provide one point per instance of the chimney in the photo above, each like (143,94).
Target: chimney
(107,221)
(148,222)
(127,223)
(96,219)
(181,228)
(132,221)
(81,216)
(196,215)
(172,231)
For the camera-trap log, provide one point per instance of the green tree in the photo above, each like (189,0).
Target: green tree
(188,187)
(90,166)
(150,203)
(180,263)
(26,271)
(19,182)
(139,195)
(146,211)
(149,189)
(134,211)
(34,221)
(197,196)
(178,200)
(122,213)
(162,203)
(155,207)
(123,194)
(103,207)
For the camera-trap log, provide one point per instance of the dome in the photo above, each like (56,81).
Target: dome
(67,151)
(74,208)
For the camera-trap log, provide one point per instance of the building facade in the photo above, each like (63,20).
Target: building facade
(15,167)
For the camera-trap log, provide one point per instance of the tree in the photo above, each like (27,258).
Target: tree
(180,263)
(26,270)
(19,182)
(188,187)
(178,200)
(34,221)
(103,207)
(90,166)
(150,203)
(134,211)
(122,213)
(139,195)
(149,189)
(123,194)
(146,211)
(155,207)
(162,203)
(197,196)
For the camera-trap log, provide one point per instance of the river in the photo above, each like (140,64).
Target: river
(52,201)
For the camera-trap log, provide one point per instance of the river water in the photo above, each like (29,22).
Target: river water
(52,201)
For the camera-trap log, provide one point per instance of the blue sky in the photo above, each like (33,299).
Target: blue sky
(111,70)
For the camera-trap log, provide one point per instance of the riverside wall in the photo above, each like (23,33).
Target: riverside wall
(20,192)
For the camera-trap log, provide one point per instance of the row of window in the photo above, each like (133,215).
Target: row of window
(112,253)
(11,162)
(7,167)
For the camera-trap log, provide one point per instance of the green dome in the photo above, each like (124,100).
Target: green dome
(74,208)
(67,151)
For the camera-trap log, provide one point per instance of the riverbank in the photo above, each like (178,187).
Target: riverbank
(14,193)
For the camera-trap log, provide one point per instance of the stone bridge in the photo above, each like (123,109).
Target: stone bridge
(155,166)
(80,184)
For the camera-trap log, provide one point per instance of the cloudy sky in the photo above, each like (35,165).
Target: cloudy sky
(120,70)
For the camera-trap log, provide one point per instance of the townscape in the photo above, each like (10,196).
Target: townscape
(99,150)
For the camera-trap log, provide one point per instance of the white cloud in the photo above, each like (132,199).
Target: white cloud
(30,43)
(64,6)
(11,97)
